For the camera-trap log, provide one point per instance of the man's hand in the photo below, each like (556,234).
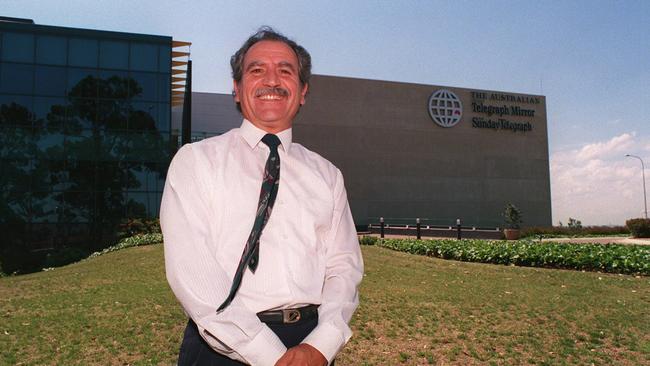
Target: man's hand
(302,355)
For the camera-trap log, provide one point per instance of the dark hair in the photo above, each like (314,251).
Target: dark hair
(266,33)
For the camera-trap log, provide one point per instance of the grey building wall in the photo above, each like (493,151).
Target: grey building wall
(399,164)
(212,114)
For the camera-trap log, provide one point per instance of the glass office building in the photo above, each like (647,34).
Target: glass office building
(84,137)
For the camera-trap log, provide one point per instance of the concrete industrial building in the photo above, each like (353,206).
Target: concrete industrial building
(400,164)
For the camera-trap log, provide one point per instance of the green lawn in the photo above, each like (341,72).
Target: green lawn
(117,309)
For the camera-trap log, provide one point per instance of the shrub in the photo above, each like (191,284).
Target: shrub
(513,216)
(132,241)
(563,231)
(640,228)
(616,258)
(368,240)
(131,227)
(574,224)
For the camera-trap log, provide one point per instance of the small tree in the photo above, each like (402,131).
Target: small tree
(513,216)
(574,224)
(640,228)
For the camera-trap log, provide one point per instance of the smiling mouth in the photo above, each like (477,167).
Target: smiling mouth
(271,93)
(270,97)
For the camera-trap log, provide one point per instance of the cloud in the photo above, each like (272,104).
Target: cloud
(618,144)
(597,184)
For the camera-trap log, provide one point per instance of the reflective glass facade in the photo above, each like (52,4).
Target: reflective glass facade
(84,138)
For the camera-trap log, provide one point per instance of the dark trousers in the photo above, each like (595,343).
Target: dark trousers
(196,352)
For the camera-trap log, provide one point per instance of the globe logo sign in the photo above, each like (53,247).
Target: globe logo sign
(445,108)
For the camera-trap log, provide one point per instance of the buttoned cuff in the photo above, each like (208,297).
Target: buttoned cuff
(264,349)
(326,338)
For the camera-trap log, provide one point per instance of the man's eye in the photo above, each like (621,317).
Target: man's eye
(286,71)
(256,71)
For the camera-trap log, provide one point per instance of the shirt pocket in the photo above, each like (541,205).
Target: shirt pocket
(315,218)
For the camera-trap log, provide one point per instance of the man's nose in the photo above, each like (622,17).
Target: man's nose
(271,78)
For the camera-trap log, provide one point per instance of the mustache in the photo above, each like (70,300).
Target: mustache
(276,90)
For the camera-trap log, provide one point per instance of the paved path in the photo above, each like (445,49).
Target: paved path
(601,240)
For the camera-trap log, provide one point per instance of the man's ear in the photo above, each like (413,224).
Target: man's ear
(235,91)
(303,94)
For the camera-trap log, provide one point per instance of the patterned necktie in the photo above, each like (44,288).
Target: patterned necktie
(270,182)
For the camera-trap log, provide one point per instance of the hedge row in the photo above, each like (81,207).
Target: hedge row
(614,258)
(565,231)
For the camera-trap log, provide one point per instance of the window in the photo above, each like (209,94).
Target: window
(138,204)
(114,145)
(79,207)
(16,210)
(146,87)
(82,113)
(113,55)
(136,176)
(82,52)
(16,78)
(49,175)
(111,174)
(144,57)
(16,110)
(163,122)
(164,60)
(82,175)
(82,83)
(80,147)
(164,88)
(49,145)
(18,47)
(49,113)
(143,116)
(111,114)
(51,50)
(50,80)
(110,205)
(160,177)
(114,84)
(46,206)
(16,175)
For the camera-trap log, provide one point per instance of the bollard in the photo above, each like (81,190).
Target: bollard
(381,227)
(458,227)
(417,223)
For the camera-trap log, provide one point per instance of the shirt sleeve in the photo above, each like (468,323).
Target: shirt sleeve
(195,276)
(343,273)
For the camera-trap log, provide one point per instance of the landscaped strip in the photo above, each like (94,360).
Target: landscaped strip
(132,241)
(613,258)
(117,309)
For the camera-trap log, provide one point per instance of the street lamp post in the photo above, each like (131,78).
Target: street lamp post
(645,202)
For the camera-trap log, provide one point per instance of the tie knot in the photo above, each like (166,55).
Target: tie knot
(271,140)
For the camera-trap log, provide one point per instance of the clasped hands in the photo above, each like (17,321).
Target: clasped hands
(302,355)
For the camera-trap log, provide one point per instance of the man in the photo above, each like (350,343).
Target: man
(267,276)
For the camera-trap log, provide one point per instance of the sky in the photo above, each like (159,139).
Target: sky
(591,59)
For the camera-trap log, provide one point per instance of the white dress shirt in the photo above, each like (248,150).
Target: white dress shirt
(308,254)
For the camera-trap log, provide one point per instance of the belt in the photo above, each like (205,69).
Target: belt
(289,316)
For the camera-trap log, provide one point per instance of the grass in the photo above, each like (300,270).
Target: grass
(116,309)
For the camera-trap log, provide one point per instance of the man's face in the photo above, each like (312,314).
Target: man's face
(270,92)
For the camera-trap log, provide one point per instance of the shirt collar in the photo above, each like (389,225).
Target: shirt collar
(253,135)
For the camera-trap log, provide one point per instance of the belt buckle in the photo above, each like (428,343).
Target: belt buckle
(290,316)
